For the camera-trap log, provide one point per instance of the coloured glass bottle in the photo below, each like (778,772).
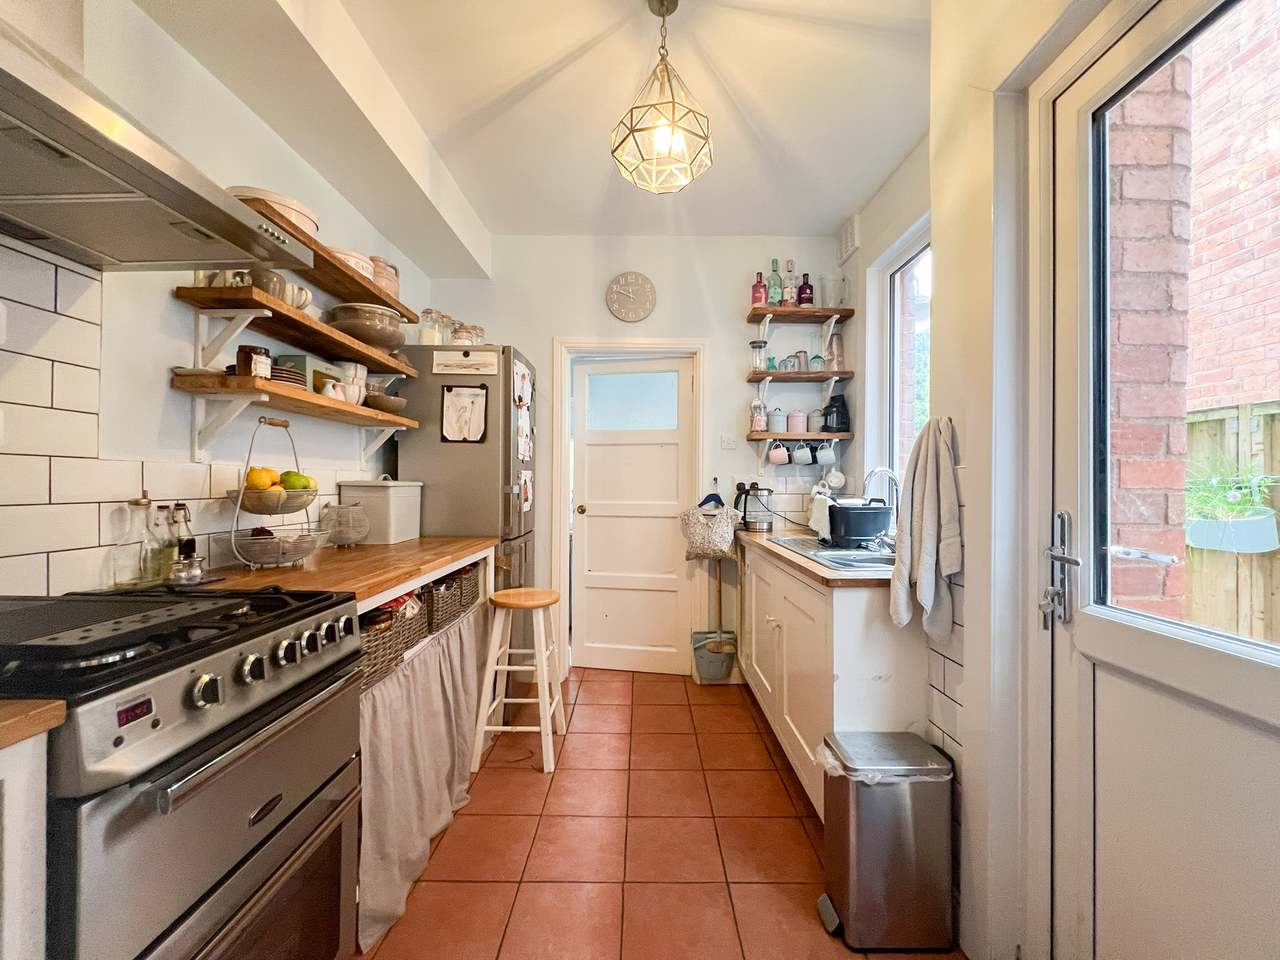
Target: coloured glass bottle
(759,292)
(804,296)
(774,294)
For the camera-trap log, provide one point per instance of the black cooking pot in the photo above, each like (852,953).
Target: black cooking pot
(856,526)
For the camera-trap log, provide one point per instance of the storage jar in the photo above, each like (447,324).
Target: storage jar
(394,507)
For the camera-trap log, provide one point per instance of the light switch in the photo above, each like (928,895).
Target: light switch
(728,441)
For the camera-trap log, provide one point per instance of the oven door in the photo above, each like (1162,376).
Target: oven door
(158,866)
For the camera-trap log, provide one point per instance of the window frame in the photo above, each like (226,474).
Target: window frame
(911,246)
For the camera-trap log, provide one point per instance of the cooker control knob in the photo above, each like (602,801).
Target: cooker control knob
(331,631)
(206,691)
(253,669)
(287,652)
(310,640)
(348,624)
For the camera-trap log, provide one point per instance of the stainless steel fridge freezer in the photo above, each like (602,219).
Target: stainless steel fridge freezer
(473,489)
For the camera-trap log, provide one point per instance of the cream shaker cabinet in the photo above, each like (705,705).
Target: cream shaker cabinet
(821,659)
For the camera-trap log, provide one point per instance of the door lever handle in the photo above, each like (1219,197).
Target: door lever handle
(1051,554)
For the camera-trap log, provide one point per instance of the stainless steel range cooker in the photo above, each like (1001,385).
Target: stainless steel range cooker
(205,786)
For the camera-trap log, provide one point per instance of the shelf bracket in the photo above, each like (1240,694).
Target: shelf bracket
(828,388)
(828,329)
(383,435)
(764,456)
(237,320)
(764,326)
(762,391)
(205,428)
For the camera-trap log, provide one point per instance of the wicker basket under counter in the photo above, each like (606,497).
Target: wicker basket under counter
(444,603)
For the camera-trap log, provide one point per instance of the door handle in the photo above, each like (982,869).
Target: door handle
(582,508)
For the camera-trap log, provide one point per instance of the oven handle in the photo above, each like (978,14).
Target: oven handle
(169,798)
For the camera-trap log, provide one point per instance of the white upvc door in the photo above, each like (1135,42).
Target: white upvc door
(1166,750)
(633,474)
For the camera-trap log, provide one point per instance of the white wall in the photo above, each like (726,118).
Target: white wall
(545,287)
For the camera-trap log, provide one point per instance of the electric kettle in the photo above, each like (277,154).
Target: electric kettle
(756,505)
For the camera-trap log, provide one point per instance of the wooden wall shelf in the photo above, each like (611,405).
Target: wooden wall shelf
(286,397)
(330,274)
(759,313)
(798,376)
(291,326)
(764,435)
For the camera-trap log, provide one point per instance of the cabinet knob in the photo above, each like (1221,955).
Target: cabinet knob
(582,508)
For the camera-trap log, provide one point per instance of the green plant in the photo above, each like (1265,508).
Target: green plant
(1226,491)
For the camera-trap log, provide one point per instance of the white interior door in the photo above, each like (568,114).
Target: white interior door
(1166,682)
(633,473)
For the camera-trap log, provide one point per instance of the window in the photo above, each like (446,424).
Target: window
(910,290)
(1188,339)
(633,401)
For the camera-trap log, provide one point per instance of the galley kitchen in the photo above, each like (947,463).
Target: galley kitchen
(642,479)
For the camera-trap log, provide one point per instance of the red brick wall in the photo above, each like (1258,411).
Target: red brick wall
(1235,210)
(1149,193)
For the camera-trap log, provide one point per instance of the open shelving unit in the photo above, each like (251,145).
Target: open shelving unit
(330,274)
(828,318)
(238,393)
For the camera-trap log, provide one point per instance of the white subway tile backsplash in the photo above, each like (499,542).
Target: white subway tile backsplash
(40,430)
(944,712)
(75,388)
(26,279)
(215,516)
(166,482)
(113,521)
(79,570)
(24,480)
(956,753)
(957,603)
(79,296)
(39,333)
(83,480)
(25,379)
(223,477)
(953,680)
(936,672)
(952,647)
(27,575)
(326,480)
(29,529)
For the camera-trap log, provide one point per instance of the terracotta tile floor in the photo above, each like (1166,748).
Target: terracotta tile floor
(673,827)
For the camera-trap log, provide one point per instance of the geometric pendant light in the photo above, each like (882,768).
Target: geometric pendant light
(664,141)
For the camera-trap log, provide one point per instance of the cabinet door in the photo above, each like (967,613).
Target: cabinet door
(806,694)
(765,663)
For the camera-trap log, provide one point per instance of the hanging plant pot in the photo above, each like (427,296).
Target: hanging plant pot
(1255,533)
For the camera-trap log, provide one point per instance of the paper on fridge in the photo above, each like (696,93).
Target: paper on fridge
(463,414)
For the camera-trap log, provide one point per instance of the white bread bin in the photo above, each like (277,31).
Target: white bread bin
(394,507)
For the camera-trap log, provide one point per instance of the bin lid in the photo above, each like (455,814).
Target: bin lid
(379,484)
(878,756)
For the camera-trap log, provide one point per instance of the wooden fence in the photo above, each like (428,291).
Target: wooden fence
(1235,593)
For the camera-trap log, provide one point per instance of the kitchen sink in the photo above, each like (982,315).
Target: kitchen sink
(837,558)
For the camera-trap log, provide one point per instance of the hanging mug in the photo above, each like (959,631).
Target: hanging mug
(802,454)
(778,454)
(826,453)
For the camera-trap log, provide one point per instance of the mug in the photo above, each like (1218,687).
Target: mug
(229,278)
(820,489)
(834,479)
(802,454)
(296,296)
(778,454)
(826,453)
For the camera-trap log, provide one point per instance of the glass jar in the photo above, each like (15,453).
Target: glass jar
(139,556)
(759,354)
(471,336)
(347,523)
(448,329)
(430,328)
(759,416)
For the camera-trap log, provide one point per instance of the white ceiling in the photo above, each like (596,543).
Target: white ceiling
(813,103)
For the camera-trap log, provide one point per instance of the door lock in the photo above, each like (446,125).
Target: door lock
(1058,600)
(582,508)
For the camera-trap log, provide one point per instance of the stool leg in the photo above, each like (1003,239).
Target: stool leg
(542,674)
(501,618)
(557,679)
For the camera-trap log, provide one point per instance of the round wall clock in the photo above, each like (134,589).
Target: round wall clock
(630,297)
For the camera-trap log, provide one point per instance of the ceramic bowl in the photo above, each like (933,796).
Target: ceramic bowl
(289,208)
(356,261)
(385,402)
(368,323)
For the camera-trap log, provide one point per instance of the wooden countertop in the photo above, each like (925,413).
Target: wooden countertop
(811,569)
(367,570)
(22,719)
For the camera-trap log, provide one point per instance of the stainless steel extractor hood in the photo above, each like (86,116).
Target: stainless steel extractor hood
(78,180)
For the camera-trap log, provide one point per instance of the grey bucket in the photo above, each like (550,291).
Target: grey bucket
(711,665)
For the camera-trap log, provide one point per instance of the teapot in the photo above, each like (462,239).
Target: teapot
(347,523)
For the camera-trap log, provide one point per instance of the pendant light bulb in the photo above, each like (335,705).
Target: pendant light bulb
(663,142)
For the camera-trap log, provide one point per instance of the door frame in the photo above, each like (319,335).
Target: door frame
(564,351)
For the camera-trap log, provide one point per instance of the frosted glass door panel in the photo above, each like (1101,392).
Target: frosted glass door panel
(633,401)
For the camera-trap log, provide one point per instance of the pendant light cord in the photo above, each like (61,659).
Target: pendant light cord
(662,46)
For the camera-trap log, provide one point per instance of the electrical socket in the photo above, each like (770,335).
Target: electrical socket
(728,441)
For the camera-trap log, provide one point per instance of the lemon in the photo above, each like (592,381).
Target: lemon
(259,478)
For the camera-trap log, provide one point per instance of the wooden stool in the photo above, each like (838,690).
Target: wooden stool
(545,669)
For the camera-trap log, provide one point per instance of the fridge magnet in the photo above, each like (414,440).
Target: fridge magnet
(526,491)
(462,414)
(473,362)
